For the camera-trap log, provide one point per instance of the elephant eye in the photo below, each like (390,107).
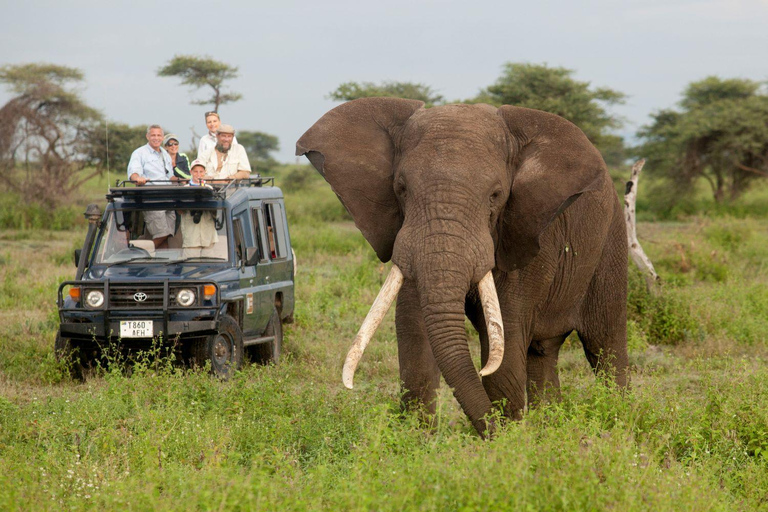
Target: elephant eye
(400,188)
(495,197)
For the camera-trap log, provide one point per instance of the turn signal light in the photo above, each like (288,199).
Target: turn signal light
(74,293)
(209,291)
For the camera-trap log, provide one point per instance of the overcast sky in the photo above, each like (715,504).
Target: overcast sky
(292,53)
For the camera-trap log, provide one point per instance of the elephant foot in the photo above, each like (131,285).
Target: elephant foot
(425,411)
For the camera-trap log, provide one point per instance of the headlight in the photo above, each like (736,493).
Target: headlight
(94,299)
(185,297)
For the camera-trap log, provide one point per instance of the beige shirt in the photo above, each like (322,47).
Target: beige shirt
(235,160)
(202,234)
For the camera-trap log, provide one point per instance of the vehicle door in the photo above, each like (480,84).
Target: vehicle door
(278,247)
(243,239)
(260,295)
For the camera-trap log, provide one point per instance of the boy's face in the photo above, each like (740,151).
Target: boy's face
(198,173)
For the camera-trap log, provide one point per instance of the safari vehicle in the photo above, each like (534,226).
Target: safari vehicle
(206,304)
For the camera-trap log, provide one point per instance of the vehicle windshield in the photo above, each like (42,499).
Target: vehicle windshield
(196,235)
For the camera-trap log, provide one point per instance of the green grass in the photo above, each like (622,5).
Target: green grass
(690,434)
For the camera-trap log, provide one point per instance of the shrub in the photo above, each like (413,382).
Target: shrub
(666,318)
(15,213)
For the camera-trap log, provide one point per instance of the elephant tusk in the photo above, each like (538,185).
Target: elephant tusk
(372,321)
(492,311)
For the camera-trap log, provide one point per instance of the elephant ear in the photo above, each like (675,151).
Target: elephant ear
(353,147)
(554,164)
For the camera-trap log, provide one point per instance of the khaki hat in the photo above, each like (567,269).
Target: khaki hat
(169,138)
(226,128)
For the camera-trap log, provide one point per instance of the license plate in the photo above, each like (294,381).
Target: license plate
(136,329)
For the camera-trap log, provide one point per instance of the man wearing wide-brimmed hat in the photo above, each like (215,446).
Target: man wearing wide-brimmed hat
(228,160)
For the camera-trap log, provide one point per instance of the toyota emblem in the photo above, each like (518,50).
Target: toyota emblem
(139,296)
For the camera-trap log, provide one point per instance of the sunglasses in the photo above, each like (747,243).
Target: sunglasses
(172,144)
(212,113)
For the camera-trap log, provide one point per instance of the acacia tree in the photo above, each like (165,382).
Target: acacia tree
(408,90)
(199,72)
(720,134)
(259,146)
(45,132)
(553,89)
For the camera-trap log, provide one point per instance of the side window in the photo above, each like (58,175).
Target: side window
(275,231)
(257,229)
(237,226)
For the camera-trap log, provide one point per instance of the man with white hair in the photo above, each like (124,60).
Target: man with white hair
(153,163)
(228,160)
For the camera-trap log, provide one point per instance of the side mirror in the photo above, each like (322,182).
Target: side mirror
(78,252)
(252,256)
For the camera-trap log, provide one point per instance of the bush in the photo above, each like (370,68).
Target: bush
(666,318)
(15,213)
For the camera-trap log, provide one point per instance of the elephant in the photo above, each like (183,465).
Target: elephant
(506,215)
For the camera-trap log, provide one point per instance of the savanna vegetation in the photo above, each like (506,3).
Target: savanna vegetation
(690,434)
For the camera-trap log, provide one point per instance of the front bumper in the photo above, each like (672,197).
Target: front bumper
(169,320)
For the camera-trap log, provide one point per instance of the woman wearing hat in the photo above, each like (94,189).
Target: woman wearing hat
(179,161)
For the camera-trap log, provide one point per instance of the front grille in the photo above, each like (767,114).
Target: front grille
(124,296)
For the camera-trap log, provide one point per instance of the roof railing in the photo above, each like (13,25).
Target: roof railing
(219,189)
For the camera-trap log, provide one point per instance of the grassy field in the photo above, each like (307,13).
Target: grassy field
(690,434)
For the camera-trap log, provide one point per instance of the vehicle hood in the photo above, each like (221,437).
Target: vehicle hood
(179,271)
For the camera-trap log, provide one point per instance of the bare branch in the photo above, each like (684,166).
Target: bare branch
(635,249)
(750,169)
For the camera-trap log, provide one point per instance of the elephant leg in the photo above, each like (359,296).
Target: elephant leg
(603,329)
(543,381)
(419,374)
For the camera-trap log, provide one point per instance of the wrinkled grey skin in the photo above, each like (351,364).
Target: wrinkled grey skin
(452,192)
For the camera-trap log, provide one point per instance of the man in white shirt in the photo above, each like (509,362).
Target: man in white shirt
(228,160)
(153,163)
(208,141)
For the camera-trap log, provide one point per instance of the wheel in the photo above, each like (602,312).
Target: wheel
(224,349)
(270,352)
(70,354)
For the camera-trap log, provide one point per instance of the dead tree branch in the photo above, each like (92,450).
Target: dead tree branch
(635,249)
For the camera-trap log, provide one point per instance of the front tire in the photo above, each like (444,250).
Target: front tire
(224,349)
(270,352)
(70,355)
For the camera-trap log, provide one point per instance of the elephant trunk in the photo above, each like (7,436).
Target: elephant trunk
(381,305)
(442,295)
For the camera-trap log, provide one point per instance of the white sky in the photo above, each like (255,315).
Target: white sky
(292,53)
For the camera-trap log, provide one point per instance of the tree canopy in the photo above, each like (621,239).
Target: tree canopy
(259,146)
(720,134)
(407,90)
(45,132)
(113,144)
(553,89)
(199,72)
